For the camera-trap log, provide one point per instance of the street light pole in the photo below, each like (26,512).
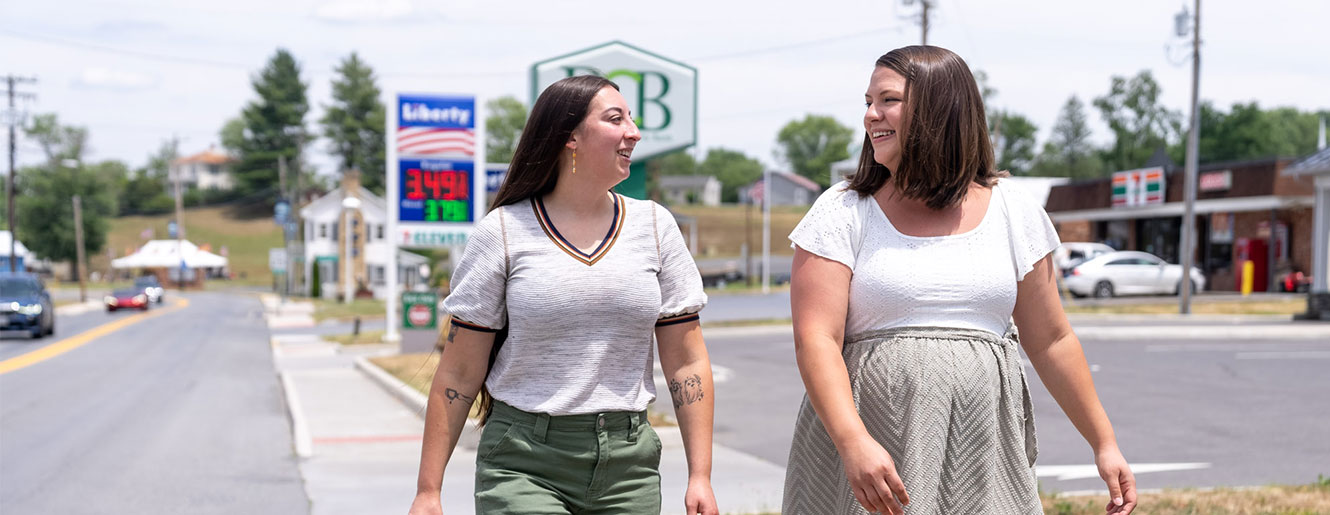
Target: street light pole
(349,204)
(1189,188)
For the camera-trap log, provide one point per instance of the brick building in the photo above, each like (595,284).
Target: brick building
(1237,206)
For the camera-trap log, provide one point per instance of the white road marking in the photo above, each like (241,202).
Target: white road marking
(1309,354)
(1068,472)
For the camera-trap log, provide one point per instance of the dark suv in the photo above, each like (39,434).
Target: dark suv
(25,305)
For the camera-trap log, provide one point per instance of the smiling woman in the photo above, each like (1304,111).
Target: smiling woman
(560,292)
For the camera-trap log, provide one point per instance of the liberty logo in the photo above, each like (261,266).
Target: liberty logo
(644,81)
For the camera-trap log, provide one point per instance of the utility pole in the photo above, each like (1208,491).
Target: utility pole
(78,248)
(13,118)
(174,169)
(1193,146)
(286,235)
(923,16)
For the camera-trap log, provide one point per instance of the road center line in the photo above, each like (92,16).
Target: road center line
(68,344)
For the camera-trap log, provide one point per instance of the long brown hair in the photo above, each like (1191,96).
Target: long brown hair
(943,133)
(534,169)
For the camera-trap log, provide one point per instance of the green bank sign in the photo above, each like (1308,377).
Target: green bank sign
(661,92)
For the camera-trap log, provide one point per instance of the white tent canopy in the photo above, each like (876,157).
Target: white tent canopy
(18,247)
(168,254)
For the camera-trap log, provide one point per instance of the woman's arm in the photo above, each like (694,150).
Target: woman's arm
(1056,355)
(462,369)
(819,300)
(687,368)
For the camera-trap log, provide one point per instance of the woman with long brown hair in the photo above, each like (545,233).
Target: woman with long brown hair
(904,285)
(579,279)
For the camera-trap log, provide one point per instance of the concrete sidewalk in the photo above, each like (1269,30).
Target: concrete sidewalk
(357,433)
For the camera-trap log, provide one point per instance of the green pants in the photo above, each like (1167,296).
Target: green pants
(533,463)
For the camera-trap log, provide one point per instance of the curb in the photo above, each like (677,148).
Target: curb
(300,436)
(414,400)
(78,309)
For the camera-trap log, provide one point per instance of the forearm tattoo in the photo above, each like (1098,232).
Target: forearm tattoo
(686,392)
(453,395)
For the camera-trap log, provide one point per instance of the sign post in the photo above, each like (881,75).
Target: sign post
(436,179)
(661,92)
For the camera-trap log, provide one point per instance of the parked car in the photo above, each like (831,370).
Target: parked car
(25,305)
(1128,272)
(128,298)
(1073,253)
(149,286)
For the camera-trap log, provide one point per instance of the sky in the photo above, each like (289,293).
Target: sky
(137,73)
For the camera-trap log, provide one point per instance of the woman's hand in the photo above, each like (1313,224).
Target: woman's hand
(426,504)
(873,478)
(1121,483)
(699,499)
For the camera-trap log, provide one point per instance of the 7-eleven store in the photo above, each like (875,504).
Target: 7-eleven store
(1238,203)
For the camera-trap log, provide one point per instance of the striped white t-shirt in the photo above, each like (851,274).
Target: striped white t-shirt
(580,325)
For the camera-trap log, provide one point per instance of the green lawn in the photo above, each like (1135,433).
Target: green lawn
(335,309)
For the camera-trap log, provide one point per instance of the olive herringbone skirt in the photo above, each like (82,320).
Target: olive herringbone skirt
(952,408)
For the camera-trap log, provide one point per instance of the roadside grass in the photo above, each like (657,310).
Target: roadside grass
(325,309)
(1206,307)
(365,337)
(741,287)
(416,370)
(720,229)
(246,236)
(1273,500)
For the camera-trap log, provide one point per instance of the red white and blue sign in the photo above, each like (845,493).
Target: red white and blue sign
(435,150)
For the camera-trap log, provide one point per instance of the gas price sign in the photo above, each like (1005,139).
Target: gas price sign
(436,190)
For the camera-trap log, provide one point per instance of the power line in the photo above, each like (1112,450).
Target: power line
(791,46)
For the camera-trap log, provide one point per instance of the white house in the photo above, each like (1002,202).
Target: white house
(679,190)
(325,247)
(207,170)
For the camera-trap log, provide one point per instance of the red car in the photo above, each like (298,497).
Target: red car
(127,299)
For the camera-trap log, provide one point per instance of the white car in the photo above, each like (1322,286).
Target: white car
(1128,272)
(1071,253)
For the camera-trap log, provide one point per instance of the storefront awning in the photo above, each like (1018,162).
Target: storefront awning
(1201,207)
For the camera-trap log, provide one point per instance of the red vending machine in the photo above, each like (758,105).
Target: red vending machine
(1254,250)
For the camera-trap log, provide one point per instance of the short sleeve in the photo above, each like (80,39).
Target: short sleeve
(1032,231)
(480,283)
(681,295)
(831,226)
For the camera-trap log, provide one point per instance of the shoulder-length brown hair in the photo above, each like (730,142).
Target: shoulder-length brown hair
(945,143)
(534,169)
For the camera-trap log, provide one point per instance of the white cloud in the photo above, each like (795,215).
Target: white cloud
(367,11)
(120,80)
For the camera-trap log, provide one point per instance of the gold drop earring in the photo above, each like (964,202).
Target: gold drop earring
(574,160)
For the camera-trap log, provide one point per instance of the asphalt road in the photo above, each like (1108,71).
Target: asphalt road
(179,413)
(1250,412)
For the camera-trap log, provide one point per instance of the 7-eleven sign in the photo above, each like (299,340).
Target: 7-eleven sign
(1141,187)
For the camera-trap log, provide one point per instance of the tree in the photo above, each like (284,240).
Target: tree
(812,144)
(679,162)
(503,127)
(1014,142)
(355,122)
(45,208)
(274,124)
(732,168)
(1140,124)
(145,190)
(1068,152)
(233,136)
(1249,132)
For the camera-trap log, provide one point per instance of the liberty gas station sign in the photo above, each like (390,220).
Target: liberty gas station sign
(435,151)
(662,93)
